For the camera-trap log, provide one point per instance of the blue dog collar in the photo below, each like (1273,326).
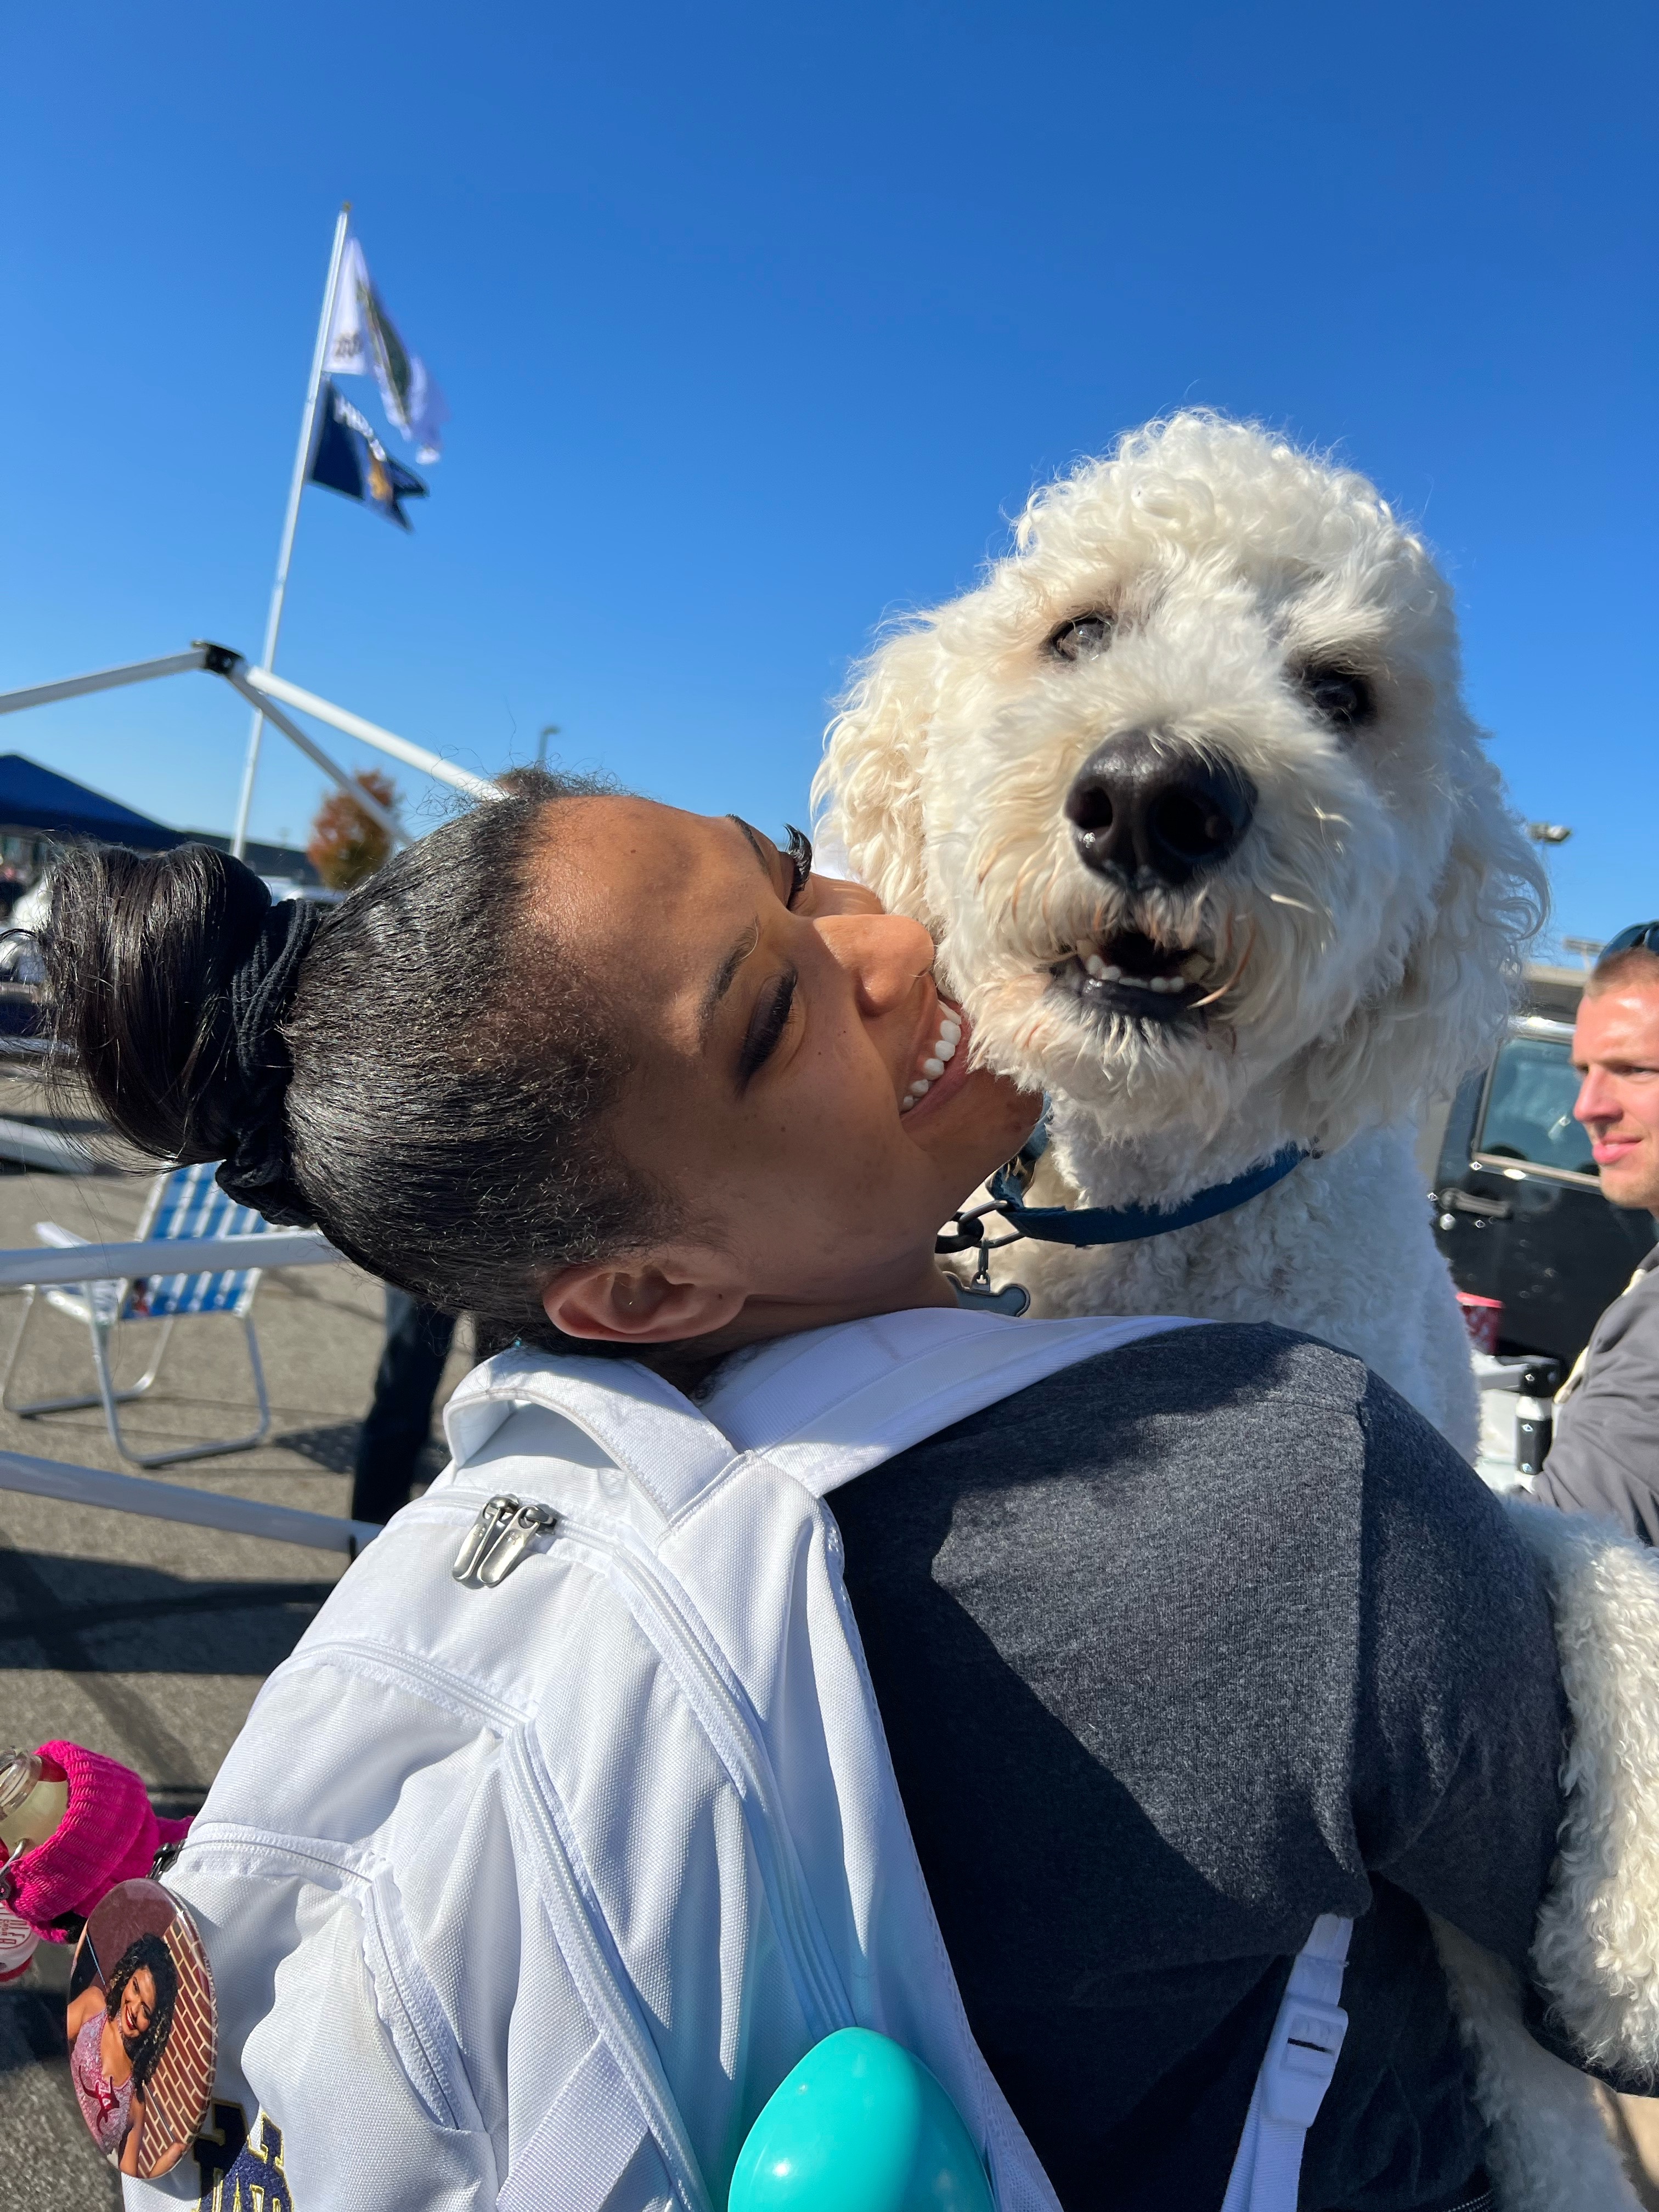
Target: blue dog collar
(1129,1224)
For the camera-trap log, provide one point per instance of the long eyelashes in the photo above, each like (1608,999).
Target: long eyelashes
(767,1024)
(799,850)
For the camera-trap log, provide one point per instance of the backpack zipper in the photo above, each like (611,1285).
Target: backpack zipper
(602,1981)
(503,1534)
(721,1707)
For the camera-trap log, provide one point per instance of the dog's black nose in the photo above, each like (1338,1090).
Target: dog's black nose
(1152,813)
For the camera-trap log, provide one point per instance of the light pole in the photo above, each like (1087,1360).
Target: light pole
(549,730)
(1546,835)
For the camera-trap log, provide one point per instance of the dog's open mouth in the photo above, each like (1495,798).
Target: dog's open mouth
(1129,973)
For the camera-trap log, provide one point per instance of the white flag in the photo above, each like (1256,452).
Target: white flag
(363,341)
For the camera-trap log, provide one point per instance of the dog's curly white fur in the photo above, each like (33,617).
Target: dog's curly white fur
(1596,1952)
(1220,598)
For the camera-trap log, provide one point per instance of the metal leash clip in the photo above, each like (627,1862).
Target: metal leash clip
(501,1536)
(966,1233)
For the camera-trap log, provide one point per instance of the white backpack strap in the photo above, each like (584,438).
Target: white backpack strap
(1302,2055)
(822,1407)
(833,1403)
(643,1424)
(592,2133)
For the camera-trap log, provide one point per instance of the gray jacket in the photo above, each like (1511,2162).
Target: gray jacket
(1605,1458)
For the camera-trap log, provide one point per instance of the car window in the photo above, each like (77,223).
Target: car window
(1529,1108)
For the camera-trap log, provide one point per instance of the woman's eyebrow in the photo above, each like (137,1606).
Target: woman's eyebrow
(757,847)
(723,978)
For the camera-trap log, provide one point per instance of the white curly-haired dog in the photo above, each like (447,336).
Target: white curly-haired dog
(1188,795)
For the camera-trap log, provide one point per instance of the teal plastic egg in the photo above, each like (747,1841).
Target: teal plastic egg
(859,2126)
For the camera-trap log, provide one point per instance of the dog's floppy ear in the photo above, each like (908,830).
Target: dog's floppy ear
(1461,972)
(867,793)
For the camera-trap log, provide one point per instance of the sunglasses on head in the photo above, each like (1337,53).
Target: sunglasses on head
(1644,934)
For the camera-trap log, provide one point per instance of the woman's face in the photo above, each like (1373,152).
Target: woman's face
(137,2004)
(776,1036)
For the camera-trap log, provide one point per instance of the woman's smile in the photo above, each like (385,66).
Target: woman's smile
(940,1064)
(137,2009)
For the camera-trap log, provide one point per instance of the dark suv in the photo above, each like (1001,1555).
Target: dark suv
(1520,1213)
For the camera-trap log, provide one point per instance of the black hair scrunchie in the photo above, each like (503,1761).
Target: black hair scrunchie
(256,1170)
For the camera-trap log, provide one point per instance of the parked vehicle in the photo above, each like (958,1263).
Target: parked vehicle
(1519,1211)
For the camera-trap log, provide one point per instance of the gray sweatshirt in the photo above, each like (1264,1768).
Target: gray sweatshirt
(1175,1651)
(1605,1458)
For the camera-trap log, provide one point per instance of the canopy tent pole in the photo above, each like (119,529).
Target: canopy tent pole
(38,1266)
(291,524)
(172,1501)
(42,1265)
(260,686)
(370,733)
(313,751)
(104,679)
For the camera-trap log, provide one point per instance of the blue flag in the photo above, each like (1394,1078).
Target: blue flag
(349,458)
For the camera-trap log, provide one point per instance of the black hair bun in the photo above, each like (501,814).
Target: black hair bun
(167,977)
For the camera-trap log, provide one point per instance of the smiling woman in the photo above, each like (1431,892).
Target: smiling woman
(1136,1659)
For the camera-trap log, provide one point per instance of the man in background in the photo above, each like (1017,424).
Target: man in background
(399,1421)
(1605,1457)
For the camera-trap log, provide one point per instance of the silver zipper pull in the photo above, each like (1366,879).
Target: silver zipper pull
(512,1542)
(481,1536)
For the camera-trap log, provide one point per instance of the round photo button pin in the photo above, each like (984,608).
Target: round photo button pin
(142,2028)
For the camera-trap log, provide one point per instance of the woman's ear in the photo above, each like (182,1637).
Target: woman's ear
(640,1305)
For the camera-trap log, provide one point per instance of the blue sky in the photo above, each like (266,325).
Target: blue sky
(758,323)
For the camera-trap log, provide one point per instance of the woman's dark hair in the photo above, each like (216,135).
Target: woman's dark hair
(151,1953)
(430,1090)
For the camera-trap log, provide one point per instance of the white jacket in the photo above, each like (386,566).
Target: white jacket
(528,1889)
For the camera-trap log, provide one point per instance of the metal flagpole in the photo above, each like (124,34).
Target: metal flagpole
(302,462)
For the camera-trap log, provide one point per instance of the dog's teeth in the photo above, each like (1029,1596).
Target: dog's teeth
(919,1088)
(945,1049)
(1110,975)
(1157,983)
(1175,982)
(951,1031)
(905,1105)
(932,1069)
(1097,967)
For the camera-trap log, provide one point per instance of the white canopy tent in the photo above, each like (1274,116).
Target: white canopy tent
(264,691)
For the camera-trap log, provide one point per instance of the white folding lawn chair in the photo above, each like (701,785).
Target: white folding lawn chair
(185,1202)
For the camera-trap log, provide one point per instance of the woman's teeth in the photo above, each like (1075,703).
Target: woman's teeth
(939,1054)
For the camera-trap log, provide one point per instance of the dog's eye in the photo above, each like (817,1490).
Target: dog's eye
(1082,638)
(1338,695)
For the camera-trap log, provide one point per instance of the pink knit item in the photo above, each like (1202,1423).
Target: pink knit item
(109,1834)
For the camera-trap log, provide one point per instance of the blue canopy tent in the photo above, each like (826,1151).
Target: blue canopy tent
(36,801)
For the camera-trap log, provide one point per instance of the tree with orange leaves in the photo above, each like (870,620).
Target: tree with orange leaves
(347,843)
